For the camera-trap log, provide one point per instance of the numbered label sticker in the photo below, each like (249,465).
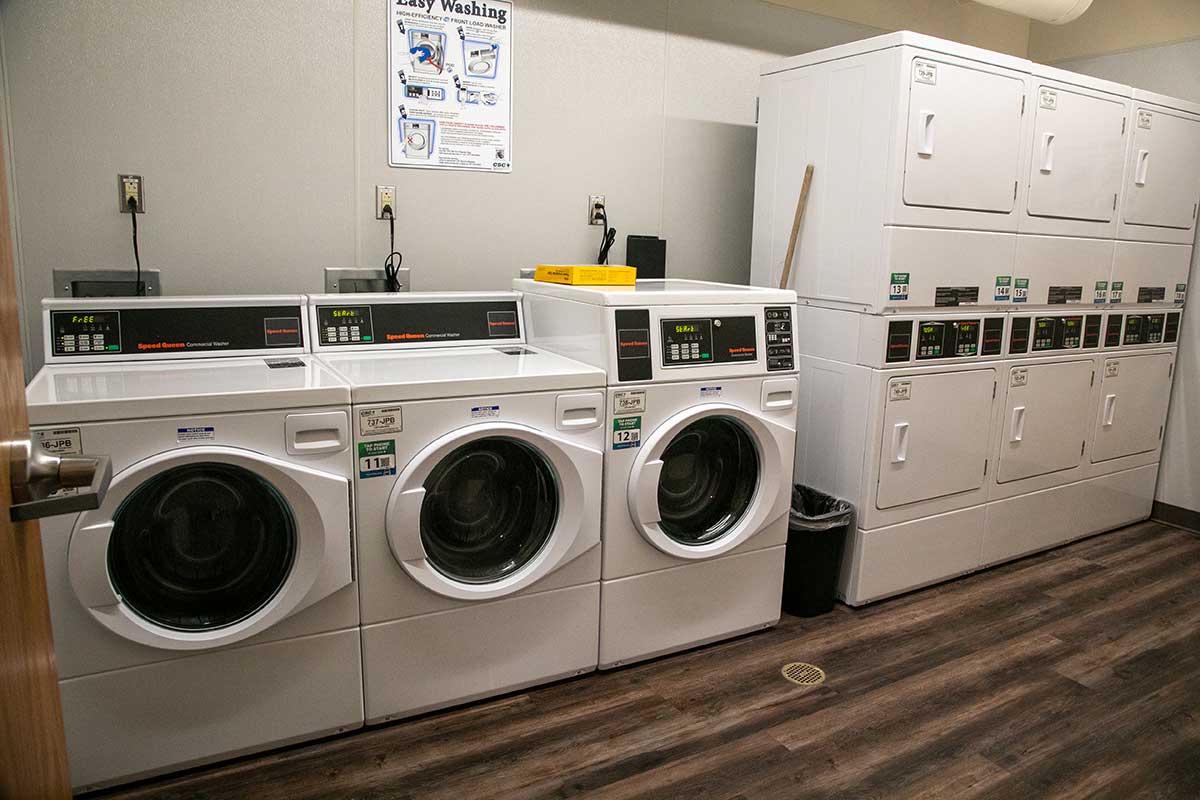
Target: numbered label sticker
(1180,292)
(899,287)
(1020,292)
(1116,292)
(1003,289)
(376,459)
(378,421)
(627,432)
(1100,295)
(924,72)
(900,390)
(1145,119)
(1048,99)
(60,441)
(629,402)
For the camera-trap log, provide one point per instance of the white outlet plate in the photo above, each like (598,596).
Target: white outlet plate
(131,186)
(384,196)
(594,217)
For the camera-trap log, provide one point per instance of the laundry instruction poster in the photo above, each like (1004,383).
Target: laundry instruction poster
(450,84)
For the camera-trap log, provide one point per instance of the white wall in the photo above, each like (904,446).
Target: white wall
(1173,70)
(260,129)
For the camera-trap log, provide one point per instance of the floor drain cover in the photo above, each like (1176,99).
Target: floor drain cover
(803,674)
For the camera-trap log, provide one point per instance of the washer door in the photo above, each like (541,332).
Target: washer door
(487,510)
(707,480)
(206,546)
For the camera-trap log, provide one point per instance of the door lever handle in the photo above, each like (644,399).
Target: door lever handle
(36,476)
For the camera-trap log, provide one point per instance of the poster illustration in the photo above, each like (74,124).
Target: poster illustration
(450,84)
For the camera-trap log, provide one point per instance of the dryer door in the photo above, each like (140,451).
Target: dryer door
(206,546)
(935,435)
(489,509)
(708,479)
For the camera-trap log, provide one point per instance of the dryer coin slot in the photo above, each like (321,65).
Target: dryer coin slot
(993,336)
(1112,332)
(1091,330)
(1018,339)
(1171,333)
(899,346)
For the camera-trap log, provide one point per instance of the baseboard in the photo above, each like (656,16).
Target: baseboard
(1174,515)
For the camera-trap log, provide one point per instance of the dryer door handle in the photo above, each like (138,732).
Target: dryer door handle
(900,443)
(1017,429)
(647,493)
(1110,410)
(925,147)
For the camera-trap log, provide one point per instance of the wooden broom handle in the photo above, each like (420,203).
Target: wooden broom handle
(801,203)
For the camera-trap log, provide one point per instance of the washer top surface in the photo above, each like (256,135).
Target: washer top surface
(660,292)
(128,390)
(459,372)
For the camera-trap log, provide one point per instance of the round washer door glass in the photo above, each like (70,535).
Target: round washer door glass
(708,478)
(490,505)
(201,546)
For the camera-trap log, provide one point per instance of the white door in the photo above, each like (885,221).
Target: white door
(1134,393)
(935,435)
(1045,419)
(1163,176)
(1078,154)
(964,137)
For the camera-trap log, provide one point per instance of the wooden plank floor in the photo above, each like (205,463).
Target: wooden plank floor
(1074,673)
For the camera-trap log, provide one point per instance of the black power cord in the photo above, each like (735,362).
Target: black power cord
(139,290)
(391,264)
(607,237)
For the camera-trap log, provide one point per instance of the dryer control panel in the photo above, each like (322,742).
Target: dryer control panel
(933,339)
(1144,329)
(1048,334)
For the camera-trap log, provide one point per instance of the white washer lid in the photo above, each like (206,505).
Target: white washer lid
(660,292)
(92,392)
(436,373)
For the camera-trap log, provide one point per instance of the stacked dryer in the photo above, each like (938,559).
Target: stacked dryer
(995,255)
(701,432)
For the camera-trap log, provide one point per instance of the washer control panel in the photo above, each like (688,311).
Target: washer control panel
(699,341)
(422,323)
(149,329)
(84,332)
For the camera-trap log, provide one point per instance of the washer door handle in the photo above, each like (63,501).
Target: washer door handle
(647,492)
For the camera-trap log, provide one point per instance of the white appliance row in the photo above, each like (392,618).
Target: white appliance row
(970,438)
(946,175)
(327,510)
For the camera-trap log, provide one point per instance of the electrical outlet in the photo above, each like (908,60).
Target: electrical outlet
(384,196)
(595,203)
(131,186)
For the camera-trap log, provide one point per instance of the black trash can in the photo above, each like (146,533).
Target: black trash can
(816,535)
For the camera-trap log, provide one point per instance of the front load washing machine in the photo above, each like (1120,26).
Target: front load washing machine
(480,462)
(207,607)
(701,424)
